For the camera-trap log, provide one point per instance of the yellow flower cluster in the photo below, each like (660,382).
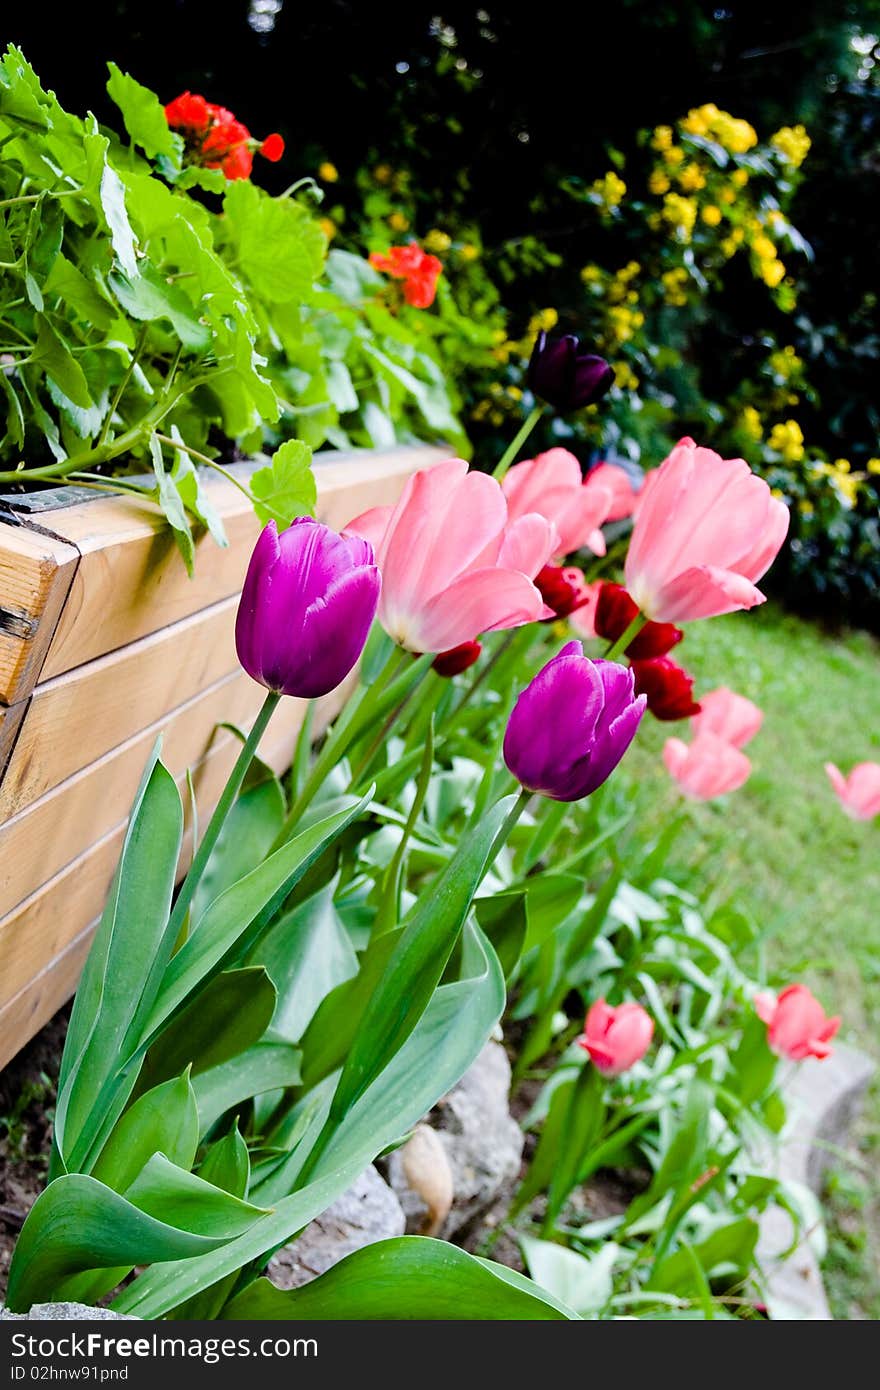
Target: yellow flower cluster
(610,190)
(674,282)
(398,222)
(469,252)
(383,173)
(730,244)
(788,440)
(624,377)
(328,227)
(750,423)
(542,322)
(793,143)
(623,322)
(785,362)
(736,136)
(327,172)
(619,286)
(873,465)
(846,484)
(711,215)
(498,405)
(680,213)
(691,178)
(437,241)
(662,138)
(659,183)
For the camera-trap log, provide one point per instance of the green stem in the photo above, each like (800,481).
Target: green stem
(221,811)
(618,647)
(126,378)
(516,444)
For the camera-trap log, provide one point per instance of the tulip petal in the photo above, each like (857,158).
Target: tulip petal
(480,601)
(704,592)
(372,526)
(528,544)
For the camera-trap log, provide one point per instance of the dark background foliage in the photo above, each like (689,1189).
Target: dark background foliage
(490,107)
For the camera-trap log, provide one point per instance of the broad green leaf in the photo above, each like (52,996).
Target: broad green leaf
(583,1282)
(148,296)
(78,1224)
(127,957)
(171,502)
(163,1120)
(61,366)
(731,1246)
(250,830)
(227,1164)
(452,1031)
(82,295)
(286,488)
(188,481)
(144,115)
(329,1036)
(503,918)
(410,1277)
(112,192)
(225,1018)
(417,962)
(181,1199)
(280,246)
(306,953)
(268,1066)
(244,909)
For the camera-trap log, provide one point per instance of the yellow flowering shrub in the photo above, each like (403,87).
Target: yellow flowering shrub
(792,143)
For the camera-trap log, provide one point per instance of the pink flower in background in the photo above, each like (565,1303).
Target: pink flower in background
(450,561)
(730,716)
(706,768)
(623,494)
(616,1038)
(797,1026)
(552,485)
(707,529)
(859,793)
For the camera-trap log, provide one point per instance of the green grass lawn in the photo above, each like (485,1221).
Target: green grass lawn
(806,874)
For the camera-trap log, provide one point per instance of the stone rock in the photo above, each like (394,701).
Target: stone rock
(823,1099)
(65,1312)
(368,1211)
(482,1142)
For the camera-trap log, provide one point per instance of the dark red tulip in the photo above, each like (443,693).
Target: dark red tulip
(564,375)
(669,688)
(458,659)
(615,611)
(563,588)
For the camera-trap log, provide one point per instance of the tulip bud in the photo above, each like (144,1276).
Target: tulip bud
(566,376)
(668,688)
(563,588)
(615,611)
(797,1026)
(616,1038)
(572,725)
(306,607)
(458,659)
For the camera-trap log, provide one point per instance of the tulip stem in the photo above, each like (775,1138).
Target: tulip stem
(516,443)
(221,811)
(619,646)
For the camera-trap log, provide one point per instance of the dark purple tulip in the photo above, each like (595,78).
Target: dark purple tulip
(572,725)
(308,600)
(566,376)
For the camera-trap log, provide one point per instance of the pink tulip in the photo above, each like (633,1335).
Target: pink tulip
(616,1038)
(859,793)
(623,494)
(706,768)
(452,566)
(730,716)
(797,1026)
(583,619)
(707,528)
(552,485)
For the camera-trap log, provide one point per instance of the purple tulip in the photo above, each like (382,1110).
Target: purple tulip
(565,376)
(572,725)
(308,600)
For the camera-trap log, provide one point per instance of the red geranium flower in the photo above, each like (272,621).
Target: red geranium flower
(188,112)
(272,148)
(216,139)
(418,271)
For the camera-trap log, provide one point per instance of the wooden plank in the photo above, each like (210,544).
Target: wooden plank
(76,718)
(131,582)
(11,720)
(57,827)
(36,572)
(37,937)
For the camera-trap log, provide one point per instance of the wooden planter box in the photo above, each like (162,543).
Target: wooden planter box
(105,643)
